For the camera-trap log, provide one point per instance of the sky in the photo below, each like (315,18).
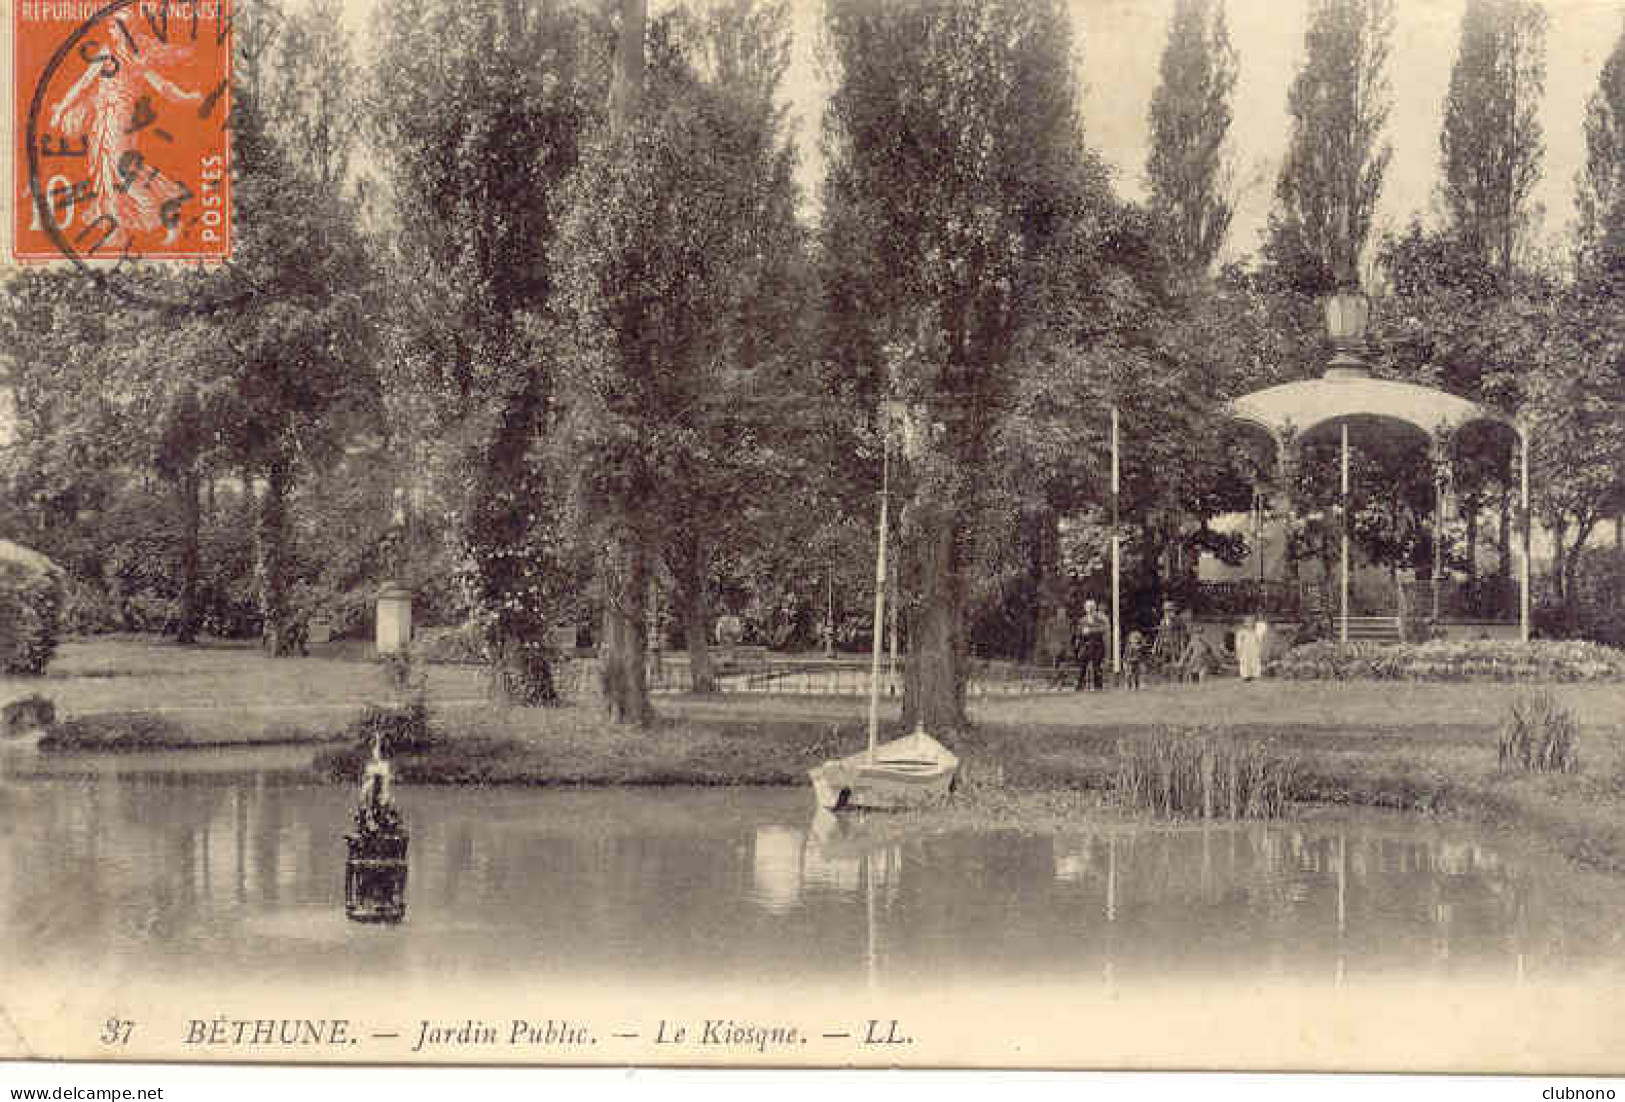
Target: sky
(1119,46)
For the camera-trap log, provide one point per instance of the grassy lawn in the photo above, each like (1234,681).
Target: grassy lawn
(1367,703)
(217,693)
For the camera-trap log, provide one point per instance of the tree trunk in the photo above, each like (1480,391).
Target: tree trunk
(1572,588)
(934,675)
(520,674)
(626,569)
(1504,544)
(626,584)
(271,554)
(1617,584)
(1470,505)
(1559,534)
(1041,567)
(1571,575)
(188,492)
(502,686)
(694,601)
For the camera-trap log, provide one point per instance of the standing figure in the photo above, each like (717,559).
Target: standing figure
(1199,658)
(1248,659)
(1173,633)
(1261,630)
(1134,655)
(1090,644)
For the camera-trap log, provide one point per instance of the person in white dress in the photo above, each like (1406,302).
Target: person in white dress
(1247,648)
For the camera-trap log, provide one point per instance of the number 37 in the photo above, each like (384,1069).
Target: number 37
(116,1031)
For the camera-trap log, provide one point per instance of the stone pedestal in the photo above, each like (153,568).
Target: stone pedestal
(394,620)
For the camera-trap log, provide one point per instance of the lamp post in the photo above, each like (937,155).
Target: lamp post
(1258,536)
(1347,313)
(1528,519)
(829,616)
(1441,479)
(1343,519)
(1117,565)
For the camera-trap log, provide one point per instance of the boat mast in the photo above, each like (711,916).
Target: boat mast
(880,588)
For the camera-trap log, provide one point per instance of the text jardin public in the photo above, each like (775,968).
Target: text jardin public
(724,1032)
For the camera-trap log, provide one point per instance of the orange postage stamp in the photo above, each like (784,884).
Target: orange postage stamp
(123,130)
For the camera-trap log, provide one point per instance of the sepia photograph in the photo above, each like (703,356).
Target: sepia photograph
(819,534)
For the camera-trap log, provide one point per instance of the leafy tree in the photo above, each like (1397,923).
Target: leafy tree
(481,110)
(297,355)
(1575,417)
(741,448)
(64,448)
(310,90)
(182,445)
(1432,332)
(1491,142)
(1456,325)
(1332,175)
(1190,119)
(679,246)
(1167,352)
(955,171)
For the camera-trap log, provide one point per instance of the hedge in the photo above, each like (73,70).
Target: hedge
(30,618)
(1452,660)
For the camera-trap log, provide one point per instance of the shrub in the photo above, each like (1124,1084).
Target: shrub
(351,611)
(1452,660)
(145,612)
(397,729)
(87,609)
(30,618)
(29,713)
(114,731)
(1539,735)
(1203,775)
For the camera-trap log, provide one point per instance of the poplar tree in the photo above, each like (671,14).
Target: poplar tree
(1190,119)
(1491,142)
(1332,176)
(1600,184)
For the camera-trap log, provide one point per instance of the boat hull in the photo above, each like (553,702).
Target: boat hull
(910,772)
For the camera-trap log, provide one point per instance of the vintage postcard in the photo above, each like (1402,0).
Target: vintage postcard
(814,533)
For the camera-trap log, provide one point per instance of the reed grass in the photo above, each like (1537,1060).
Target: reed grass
(1197,774)
(1539,735)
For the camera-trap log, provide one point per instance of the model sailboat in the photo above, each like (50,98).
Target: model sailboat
(906,772)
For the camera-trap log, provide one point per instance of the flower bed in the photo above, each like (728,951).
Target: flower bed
(1449,660)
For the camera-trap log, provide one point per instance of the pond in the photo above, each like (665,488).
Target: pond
(200,865)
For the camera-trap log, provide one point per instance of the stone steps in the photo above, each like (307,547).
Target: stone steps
(1372,629)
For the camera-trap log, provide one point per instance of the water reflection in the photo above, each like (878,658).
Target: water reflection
(214,870)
